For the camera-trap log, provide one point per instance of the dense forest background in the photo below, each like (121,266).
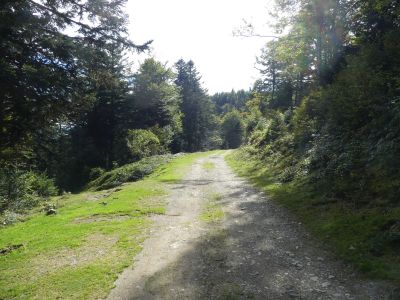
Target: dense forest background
(325,111)
(71,107)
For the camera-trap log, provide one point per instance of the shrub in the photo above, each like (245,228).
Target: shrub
(165,136)
(142,143)
(96,173)
(40,185)
(128,173)
(9,217)
(20,189)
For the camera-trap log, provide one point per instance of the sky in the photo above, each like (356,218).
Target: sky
(201,30)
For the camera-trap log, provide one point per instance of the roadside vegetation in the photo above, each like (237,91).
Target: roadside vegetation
(365,237)
(78,252)
(321,130)
(128,173)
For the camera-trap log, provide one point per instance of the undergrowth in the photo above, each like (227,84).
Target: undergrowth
(128,173)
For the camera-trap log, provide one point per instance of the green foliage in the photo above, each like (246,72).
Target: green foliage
(21,189)
(197,109)
(147,100)
(367,237)
(96,173)
(128,173)
(142,143)
(165,135)
(269,133)
(156,100)
(326,105)
(232,130)
(225,102)
(51,61)
(41,185)
(322,127)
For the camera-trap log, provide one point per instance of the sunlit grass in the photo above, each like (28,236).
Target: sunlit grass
(208,165)
(175,170)
(78,253)
(212,211)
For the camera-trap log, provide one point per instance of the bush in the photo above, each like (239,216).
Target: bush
(39,184)
(143,143)
(165,136)
(96,173)
(128,173)
(9,217)
(20,189)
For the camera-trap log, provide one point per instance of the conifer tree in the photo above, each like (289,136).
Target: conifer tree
(196,107)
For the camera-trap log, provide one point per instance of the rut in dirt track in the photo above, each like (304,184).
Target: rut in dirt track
(258,251)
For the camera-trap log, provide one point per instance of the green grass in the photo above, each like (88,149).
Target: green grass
(78,253)
(212,211)
(208,165)
(360,237)
(175,170)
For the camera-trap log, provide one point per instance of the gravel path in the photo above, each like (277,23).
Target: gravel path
(258,250)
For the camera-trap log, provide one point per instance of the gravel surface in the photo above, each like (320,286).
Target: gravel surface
(258,250)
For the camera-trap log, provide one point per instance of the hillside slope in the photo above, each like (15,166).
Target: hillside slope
(78,252)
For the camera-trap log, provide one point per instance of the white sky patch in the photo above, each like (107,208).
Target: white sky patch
(201,30)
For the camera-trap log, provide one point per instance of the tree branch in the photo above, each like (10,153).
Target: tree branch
(256,35)
(98,30)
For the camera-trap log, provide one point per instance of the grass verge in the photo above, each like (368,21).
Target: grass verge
(212,211)
(78,253)
(360,237)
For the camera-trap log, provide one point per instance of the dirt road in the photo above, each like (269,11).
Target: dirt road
(257,251)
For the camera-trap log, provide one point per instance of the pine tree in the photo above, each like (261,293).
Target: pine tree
(52,61)
(196,107)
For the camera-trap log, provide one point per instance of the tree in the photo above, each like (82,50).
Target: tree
(331,88)
(142,143)
(155,102)
(225,102)
(155,99)
(145,100)
(232,130)
(196,107)
(51,61)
